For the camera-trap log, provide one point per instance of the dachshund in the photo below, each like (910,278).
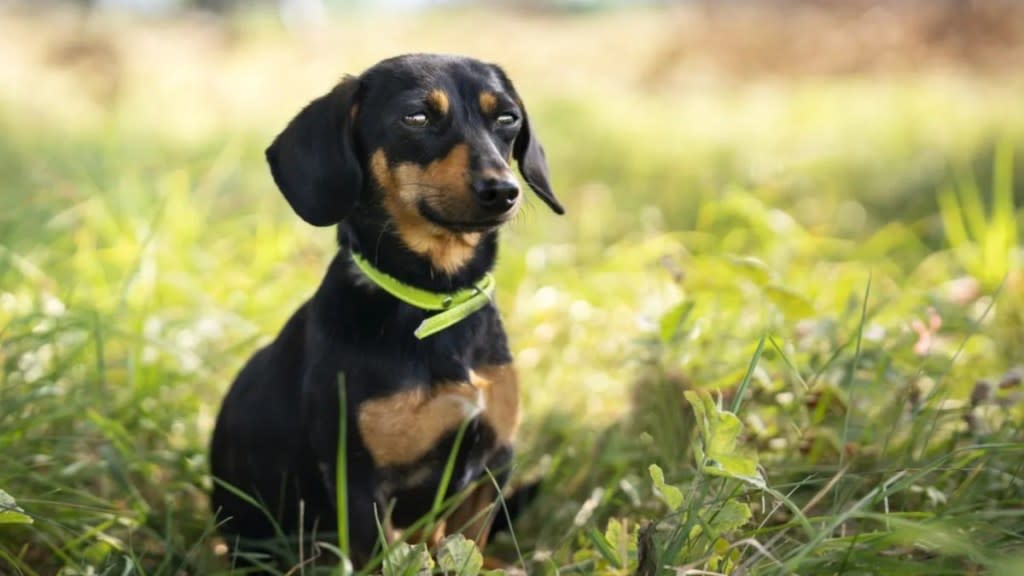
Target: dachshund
(411,162)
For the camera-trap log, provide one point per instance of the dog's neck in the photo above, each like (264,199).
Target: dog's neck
(371,235)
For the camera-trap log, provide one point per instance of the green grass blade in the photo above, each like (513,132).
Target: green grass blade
(508,517)
(603,547)
(848,383)
(341,471)
(738,400)
(1003,226)
(952,219)
(789,362)
(238,493)
(793,563)
(449,470)
(972,204)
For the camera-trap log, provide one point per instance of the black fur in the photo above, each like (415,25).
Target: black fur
(276,436)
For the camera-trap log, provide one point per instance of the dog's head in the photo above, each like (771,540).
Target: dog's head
(426,138)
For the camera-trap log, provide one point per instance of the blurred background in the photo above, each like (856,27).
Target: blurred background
(814,200)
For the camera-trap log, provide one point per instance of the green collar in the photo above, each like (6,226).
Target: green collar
(452,307)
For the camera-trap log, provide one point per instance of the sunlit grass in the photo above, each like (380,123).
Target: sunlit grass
(986,245)
(720,238)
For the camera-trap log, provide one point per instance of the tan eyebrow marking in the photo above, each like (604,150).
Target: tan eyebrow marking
(439,100)
(488,102)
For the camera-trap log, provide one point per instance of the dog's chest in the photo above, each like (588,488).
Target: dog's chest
(409,426)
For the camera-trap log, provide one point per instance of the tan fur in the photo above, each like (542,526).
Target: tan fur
(443,182)
(403,427)
(431,535)
(492,563)
(439,100)
(500,385)
(473,517)
(488,102)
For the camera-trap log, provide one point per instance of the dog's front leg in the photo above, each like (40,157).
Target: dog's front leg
(396,429)
(475,515)
(322,421)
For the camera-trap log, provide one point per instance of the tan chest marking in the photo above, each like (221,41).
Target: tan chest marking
(500,385)
(404,427)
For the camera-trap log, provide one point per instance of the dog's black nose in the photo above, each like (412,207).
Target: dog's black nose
(495,194)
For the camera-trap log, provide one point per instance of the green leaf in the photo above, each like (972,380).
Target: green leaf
(730,516)
(406,560)
(10,513)
(752,269)
(671,495)
(742,468)
(622,539)
(459,556)
(715,445)
(672,320)
(792,304)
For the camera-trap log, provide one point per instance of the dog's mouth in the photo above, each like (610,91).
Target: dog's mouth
(483,225)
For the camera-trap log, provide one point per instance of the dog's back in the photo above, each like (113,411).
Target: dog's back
(258,446)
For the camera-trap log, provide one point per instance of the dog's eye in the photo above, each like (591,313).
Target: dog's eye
(417,119)
(507,119)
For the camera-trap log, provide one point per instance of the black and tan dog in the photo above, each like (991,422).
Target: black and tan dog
(411,161)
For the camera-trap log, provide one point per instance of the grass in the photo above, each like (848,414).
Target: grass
(831,265)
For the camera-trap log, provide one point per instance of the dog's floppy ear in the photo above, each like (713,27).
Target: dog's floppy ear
(314,161)
(533,164)
(529,153)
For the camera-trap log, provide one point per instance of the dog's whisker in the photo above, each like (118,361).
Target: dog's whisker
(388,226)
